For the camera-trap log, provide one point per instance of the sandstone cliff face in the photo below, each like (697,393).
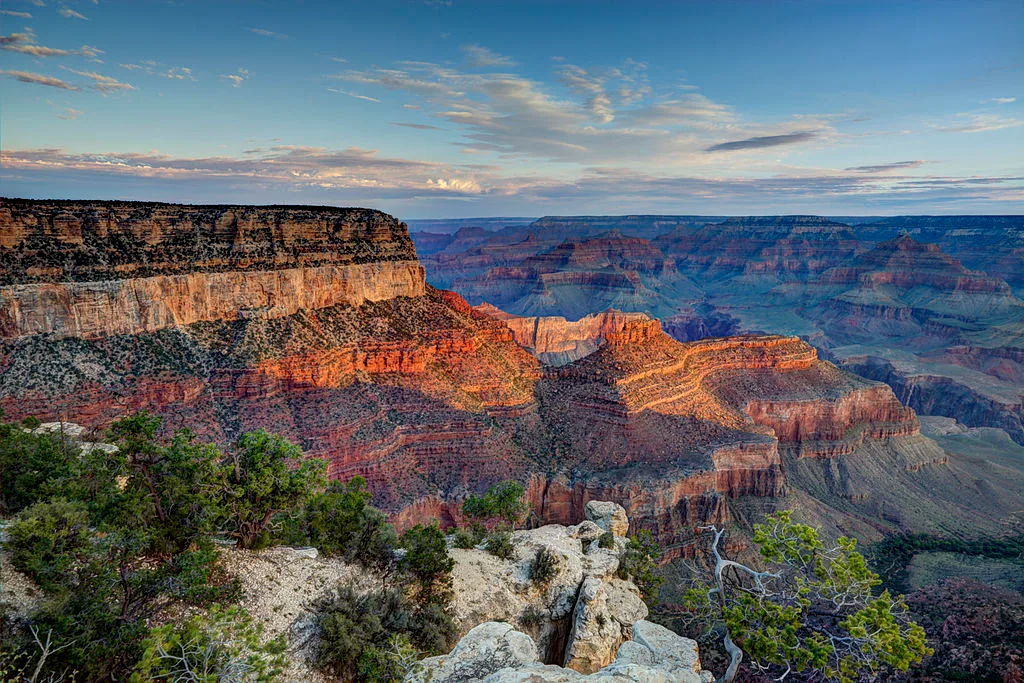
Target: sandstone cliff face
(91,270)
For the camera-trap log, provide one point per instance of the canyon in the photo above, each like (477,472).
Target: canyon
(869,294)
(430,399)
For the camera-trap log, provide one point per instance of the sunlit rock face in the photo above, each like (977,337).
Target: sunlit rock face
(317,324)
(91,270)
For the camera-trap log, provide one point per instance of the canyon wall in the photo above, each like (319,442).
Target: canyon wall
(316,324)
(93,269)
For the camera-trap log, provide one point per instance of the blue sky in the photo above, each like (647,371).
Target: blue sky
(458,108)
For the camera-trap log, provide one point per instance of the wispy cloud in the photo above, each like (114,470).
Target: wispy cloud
(277,172)
(12,13)
(479,56)
(104,84)
(71,14)
(69,114)
(763,141)
(417,126)
(38,79)
(1000,100)
(582,83)
(282,166)
(980,123)
(237,78)
(266,34)
(352,94)
(885,168)
(181,73)
(25,43)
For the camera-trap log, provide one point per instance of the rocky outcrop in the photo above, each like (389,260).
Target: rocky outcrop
(654,655)
(560,614)
(585,624)
(556,341)
(91,310)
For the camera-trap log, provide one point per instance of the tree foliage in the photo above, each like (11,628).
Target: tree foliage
(812,609)
(341,522)
(117,537)
(428,563)
(639,564)
(220,646)
(505,502)
(263,476)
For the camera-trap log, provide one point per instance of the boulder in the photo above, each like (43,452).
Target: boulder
(624,602)
(673,653)
(487,648)
(609,516)
(586,531)
(658,658)
(595,635)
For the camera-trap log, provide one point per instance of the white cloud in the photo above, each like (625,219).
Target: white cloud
(480,56)
(12,13)
(181,73)
(38,79)
(352,94)
(25,43)
(72,14)
(104,84)
(979,123)
(1001,100)
(266,34)
(237,78)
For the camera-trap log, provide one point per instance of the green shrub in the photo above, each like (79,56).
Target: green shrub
(47,540)
(375,636)
(544,567)
(499,544)
(505,501)
(607,540)
(428,563)
(340,521)
(35,467)
(388,663)
(265,475)
(639,564)
(464,539)
(221,645)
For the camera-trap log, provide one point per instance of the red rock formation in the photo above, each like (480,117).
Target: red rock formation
(556,341)
(409,386)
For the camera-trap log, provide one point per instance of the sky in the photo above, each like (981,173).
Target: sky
(453,108)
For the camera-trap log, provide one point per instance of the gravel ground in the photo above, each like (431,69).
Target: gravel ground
(279,588)
(16,589)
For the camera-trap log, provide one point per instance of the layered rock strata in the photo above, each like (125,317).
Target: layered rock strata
(406,385)
(92,270)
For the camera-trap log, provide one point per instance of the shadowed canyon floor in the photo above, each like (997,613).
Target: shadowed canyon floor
(430,399)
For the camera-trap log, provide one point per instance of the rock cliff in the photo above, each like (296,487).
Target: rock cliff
(557,341)
(388,378)
(95,269)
